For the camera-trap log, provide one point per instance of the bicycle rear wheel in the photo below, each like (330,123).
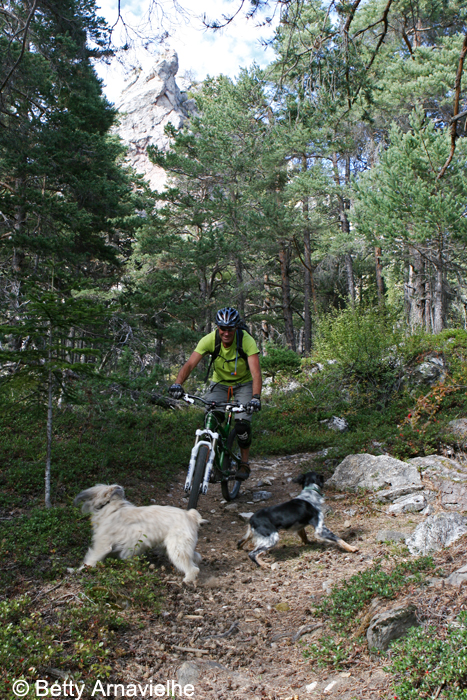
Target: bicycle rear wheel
(231,486)
(198,475)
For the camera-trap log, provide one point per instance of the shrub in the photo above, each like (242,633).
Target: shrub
(347,600)
(428,661)
(82,635)
(279,359)
(364,345)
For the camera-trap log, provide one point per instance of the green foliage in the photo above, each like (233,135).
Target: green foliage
(120,584)
(43,542)
(428,660)
(329,652)
(362,342)
(78,630)
(347,599)
(279,359)
(127,442)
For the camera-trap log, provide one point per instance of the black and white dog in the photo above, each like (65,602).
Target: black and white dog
(295,515)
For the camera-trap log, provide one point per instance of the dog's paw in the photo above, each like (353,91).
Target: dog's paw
(70,569)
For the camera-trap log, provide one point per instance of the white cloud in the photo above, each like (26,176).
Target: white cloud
(200,50)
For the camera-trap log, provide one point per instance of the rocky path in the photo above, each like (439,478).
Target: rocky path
(242,632)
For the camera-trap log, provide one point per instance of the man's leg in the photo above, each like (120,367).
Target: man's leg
(243,394)
(217,392)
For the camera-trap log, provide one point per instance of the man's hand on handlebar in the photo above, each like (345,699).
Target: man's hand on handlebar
(254,405)
(176,391)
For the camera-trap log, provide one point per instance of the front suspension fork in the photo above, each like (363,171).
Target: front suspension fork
(211,443)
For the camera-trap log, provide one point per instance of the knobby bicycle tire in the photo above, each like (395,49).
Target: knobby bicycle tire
(231,486)
(198,476)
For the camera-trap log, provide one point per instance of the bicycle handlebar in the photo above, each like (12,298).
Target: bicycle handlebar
(233,405)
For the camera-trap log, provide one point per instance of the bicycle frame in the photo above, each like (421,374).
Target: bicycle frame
(212,435)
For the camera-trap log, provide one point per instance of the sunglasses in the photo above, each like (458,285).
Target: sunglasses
(226,329)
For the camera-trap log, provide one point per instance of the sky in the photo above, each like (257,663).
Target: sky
(201,52)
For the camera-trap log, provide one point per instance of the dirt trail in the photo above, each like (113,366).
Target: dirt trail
(242,631)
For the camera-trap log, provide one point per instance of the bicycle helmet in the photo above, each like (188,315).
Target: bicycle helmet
(227,317)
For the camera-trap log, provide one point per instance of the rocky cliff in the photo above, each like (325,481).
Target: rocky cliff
(150,100)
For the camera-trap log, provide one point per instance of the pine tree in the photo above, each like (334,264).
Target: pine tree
(67,204)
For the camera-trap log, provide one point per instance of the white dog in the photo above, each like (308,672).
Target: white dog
(122,530)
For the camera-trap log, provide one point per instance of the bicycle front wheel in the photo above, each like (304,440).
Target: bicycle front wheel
(198,476)
(231,486)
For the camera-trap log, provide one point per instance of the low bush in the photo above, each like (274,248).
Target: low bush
(279,359)
(431,663)
(79,630)
(346,600)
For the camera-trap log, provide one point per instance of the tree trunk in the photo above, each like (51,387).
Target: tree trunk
(428,302)
(379,277)
(266,308)
(307,277)
(344,206)
(49,440)
(240,295)
(416,290)
(286,305)
(308,294)
(350,278)
(439,301)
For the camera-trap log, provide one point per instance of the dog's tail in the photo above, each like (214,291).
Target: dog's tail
(196,517)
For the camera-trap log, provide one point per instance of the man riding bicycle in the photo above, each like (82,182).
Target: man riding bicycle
(237,375)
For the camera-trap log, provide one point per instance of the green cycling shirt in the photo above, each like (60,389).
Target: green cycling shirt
(224,364)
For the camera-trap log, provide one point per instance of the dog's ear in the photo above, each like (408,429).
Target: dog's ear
(299,479)
(117,491)
(83,496)
(320,480)
(98,496)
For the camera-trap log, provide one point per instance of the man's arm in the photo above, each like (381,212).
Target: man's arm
(188,367)
(255,369)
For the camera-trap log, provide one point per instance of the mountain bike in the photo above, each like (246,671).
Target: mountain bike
(215,456)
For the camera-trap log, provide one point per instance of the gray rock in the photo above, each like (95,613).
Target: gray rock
(336,423)
(430,371)
(458,577)
(448,477)
(265,482)
(436,532)
(365,471)
(440,466)
(459,428)
(390,536)
(188,673)
(149,102)
(390,625)
(408,504)
(390,495)
(231,507)
(261,496)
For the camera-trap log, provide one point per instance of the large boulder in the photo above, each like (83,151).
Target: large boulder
(459,429)
(364,471)
(436,532)
(390,625)
(447,477)
(430,371)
